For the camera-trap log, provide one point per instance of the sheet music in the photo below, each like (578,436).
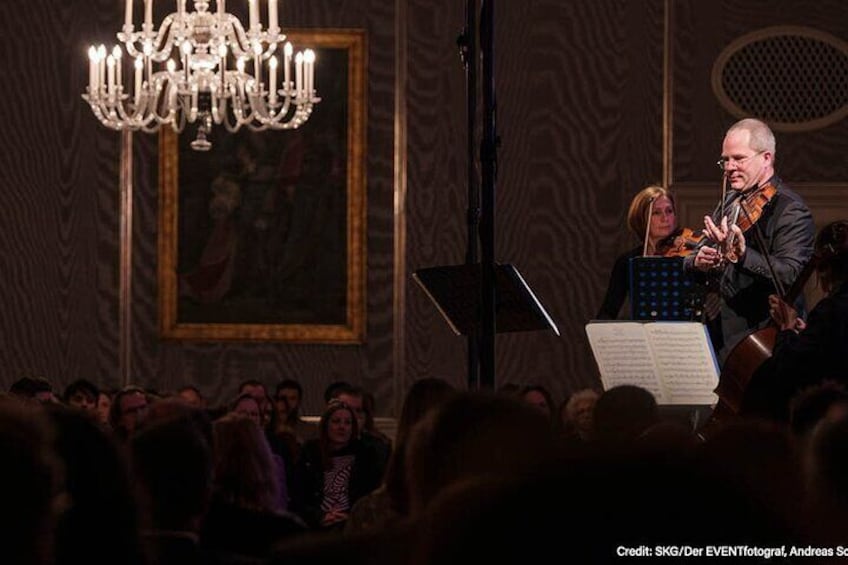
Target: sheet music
(624,357)
(672,360)
(685,361)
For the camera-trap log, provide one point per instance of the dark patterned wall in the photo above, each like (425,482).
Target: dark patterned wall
(579,93)
(580,98)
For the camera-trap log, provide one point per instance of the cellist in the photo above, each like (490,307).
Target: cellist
(808,352)
(783,231)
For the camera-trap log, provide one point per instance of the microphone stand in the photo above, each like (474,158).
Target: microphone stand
(467,51)
(488,158)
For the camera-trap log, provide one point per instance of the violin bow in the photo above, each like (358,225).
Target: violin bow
(648,226)
(758,236)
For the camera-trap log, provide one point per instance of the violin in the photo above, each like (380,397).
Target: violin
(750,208)
(683,242)
(753,204)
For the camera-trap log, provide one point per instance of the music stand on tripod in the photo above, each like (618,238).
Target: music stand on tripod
(455,291)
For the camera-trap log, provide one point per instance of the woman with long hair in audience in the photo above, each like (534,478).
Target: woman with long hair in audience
(246,516)
(334,471)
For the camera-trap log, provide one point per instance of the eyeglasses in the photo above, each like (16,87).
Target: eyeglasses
(724,161)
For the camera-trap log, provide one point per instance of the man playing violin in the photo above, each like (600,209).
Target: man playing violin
(778,230)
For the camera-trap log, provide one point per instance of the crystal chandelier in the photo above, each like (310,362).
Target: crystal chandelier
(184,73)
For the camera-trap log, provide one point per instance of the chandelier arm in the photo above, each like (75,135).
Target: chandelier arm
(122,111)
(272,48)
(164,43)
(129,43)
(239,42)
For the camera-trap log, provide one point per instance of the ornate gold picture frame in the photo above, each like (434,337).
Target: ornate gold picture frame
(263,237)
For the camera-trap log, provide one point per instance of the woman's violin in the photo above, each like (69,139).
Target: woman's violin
(683,242)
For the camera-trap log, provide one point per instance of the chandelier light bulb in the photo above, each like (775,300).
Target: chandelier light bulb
(178,75)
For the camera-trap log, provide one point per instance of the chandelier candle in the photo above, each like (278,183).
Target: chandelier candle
(181,73)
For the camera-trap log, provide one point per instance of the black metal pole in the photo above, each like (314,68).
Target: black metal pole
(488,159)
(468,51)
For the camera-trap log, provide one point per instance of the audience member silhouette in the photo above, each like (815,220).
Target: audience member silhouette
(104,407)
(622,414)
(827,480)
(287,431)
(331,391)
(100,524)
(258,391)
(473,435)
(37,389)
(192,396)
(247,515)
(288,400)
(128,411)
(576,416)
(30,484)
(82,394)
(171,462)
(540,398)
(390,501)
(825,401)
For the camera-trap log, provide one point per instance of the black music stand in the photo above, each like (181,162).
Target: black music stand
(455,290)
(660,289)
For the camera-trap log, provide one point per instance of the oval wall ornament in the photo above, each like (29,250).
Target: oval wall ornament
(795,78)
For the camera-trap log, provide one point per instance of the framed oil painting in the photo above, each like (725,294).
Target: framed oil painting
(263,236)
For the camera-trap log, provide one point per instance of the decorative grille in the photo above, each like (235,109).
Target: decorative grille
(796,79)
